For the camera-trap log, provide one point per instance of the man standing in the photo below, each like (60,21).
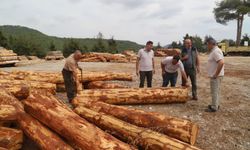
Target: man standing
(170,66)
(145,64)
(70,77)
(215,68)
(190,59)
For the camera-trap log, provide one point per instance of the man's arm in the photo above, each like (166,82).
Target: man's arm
(153,61)
(137,65)
(197,62)
(184,76)
(219,68)
(163,68)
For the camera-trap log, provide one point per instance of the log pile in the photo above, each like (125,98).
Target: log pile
(54,55)
(126,57)
(135,95)
(11,139)
(163,52)
(7,57)
(181,129)
(8,113)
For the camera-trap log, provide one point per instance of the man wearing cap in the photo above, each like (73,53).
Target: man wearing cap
(70,77)
(145,64)
(215,69)
(170,66)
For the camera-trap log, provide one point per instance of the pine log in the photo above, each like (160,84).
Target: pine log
(57,78)
(41,135)
(8,99)
(136,95)
(65,122)
(143,137)
(103,85)
(11,139)
(15,84)
(8,113)
(20,91)
(181,129)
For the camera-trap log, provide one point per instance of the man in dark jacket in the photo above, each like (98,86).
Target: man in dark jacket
(191,62)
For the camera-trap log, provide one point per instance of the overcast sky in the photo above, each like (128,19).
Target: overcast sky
(135,20)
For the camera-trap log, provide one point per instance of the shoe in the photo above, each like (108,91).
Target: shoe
(210,110)
(195,98)
(210,107)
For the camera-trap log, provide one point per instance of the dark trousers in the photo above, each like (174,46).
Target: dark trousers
(169,77)
(70,84)
(143,76)
(190,72)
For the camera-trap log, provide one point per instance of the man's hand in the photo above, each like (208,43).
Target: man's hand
(215,76)
(80,68)
(137,72)
(163,73)
(153,71)
(198,70)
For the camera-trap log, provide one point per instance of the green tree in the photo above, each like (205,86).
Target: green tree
(198,43)
(158,45)
(3,40)
(52,46)
(245,38)
(99,46)
(70,46)
(227,10)
(229,41)
(112,46)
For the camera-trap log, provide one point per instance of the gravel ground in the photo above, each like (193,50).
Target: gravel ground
(227,129)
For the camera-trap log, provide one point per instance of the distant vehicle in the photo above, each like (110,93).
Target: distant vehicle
(234,50)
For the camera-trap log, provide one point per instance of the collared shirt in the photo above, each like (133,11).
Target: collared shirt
(169,67)
(214,56)
(70,63)
(146,62)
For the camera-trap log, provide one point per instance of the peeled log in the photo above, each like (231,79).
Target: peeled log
(181,129)
(136,95)
(8,99)
(103,85)
(15,84)
(41,135)
(11,139)
(8,113)
(57,78)
(146,138)
(58,117)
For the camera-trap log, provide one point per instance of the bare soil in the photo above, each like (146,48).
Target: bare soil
(227,129)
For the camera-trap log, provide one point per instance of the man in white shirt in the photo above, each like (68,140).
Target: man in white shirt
(145,64)
(215,69)
(170,66)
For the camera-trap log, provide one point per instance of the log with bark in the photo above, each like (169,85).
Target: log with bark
(8,113)
(136,95)
(103,85)
(181,129)
(58,117)
(11,139)
(143,137)
(20,91)
(41,135)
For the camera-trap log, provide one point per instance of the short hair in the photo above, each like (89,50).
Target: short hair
(176,57)
(149,43)
(211,40)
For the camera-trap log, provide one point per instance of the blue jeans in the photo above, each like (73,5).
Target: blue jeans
(169,77)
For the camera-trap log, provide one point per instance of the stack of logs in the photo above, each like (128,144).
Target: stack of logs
(95,123)
(7,56)
(163,52)
(126,57)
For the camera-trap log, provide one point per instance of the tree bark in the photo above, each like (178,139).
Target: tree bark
(136,95)
(8,113)
(69,125)
(41,135)
(11,139)
(145,138)
(180,129)
(103,85)
(20,91)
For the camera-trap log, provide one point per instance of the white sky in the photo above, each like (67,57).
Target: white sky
(161,21)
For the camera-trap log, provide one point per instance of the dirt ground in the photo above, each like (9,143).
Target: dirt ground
(227,129)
